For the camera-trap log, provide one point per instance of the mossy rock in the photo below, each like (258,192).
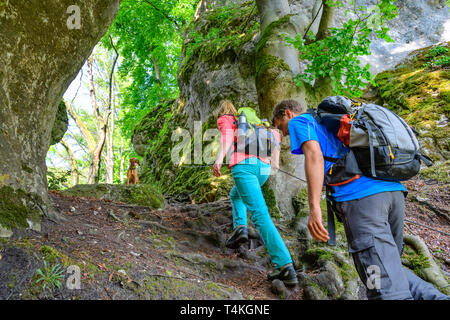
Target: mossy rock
(140,194)
(18,209)
(53,256)
(218,35)
(61,124)
(271,201)
(337,278)
(175,179)
(419,92)
(161,287)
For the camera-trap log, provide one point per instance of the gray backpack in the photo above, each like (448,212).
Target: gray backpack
(382,145)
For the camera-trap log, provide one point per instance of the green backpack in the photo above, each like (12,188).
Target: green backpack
(254,135)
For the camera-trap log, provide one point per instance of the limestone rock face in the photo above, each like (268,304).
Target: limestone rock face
(420,23)
(230,75)
(43,48)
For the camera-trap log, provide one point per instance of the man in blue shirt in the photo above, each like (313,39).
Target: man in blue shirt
(371,210)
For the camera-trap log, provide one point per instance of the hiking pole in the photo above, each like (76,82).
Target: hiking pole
(293,176)
(285,172)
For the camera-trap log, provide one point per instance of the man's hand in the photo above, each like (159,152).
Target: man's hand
(316,227)
(314,168)
(216,169)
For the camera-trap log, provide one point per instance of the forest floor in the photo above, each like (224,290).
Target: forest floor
(133,252)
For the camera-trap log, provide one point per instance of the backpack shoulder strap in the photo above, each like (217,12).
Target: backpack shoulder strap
(330,159)
(330,218)
(315,114)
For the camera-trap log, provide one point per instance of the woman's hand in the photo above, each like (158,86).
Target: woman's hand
(216,169)
(273,168)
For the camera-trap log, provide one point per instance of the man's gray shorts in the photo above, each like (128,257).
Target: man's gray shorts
(374,229)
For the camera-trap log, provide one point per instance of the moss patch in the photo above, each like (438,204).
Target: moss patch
(53,256)
(16,206)
(415,261)
(270,29)
(164,288)
(266,62)
(61,124)
(175,179)
(140,194)
(271,201)
(420,94)
(219,33)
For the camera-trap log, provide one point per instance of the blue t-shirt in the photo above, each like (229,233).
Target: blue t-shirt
(304,128)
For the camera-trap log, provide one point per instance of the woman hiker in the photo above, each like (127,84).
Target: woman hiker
(249,173)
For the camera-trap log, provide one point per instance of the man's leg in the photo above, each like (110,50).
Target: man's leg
(373,247)
(247,183)
(419,288)
(422,290)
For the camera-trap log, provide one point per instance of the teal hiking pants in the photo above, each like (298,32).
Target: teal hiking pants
(249,176)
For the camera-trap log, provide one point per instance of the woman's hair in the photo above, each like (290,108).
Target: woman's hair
(226,107)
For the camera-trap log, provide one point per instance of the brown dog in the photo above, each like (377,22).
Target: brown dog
(132,174)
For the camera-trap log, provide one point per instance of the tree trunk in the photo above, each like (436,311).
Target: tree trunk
(84,130)
(122,159)
(73,162)
(102,127)
(276,64)
(276,67)
(43,48)
(322,85)
(110,146)
(111,110)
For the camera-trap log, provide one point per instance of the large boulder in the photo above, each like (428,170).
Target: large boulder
(43,48)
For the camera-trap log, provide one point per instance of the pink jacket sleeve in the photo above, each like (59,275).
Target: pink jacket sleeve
(226,126)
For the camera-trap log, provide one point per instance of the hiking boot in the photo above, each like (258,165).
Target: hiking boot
(238,237)
(286,274)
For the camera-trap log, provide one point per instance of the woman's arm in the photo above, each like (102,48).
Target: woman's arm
(275,161)
(226,140)
(223,150)
(275,158)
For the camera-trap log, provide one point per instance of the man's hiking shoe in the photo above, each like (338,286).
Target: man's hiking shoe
(238,237)
(286,274)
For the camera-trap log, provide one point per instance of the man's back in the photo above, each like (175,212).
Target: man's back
(304,128)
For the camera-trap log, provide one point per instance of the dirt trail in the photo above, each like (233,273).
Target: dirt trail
(133,252)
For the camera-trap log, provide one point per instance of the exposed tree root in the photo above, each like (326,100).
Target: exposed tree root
(432,273)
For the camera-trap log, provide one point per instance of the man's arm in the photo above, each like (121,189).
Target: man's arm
(314,168)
